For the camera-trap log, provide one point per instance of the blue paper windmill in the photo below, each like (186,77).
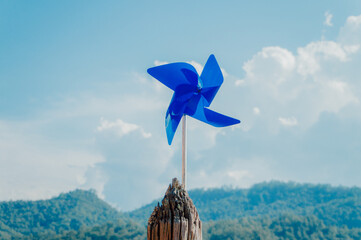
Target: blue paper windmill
(193,94)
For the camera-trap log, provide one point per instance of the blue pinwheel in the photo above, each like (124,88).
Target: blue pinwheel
(193,94)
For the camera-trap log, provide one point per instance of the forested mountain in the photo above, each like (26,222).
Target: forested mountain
(66,212)
(273,210)
(282,227)
(334,205)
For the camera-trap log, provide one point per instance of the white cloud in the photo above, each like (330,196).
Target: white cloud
(232,172)
(121,128)
(35,167)
(200,137)
(328,19)
(319,77)
(58,149)
(354,20)
(314,54)
(239,82)
(158,63)
(256,111)
(350,32)
(351,48)
(272,63)
(292,121)
(237,175)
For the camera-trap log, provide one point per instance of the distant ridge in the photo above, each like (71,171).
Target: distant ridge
(340,206)
(270,210)
(276,210)
(68,211)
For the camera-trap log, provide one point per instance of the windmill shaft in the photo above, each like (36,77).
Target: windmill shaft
(184,151)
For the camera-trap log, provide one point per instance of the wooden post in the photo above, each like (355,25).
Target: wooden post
(177,218)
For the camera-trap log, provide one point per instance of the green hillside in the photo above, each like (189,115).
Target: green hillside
(66,212)
(120,229)
(273,210)
(282,227)
(339,206)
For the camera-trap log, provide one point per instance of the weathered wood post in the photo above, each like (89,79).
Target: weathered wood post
(177,218)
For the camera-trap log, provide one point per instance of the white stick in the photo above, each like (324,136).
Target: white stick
(184,152)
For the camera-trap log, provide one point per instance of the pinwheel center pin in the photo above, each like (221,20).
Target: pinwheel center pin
(199,89)
(189,88)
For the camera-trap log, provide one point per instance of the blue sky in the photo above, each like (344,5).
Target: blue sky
(77,109)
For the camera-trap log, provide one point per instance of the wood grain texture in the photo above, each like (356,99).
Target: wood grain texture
(176,218)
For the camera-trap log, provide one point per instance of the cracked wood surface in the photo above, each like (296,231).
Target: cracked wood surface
(176,218)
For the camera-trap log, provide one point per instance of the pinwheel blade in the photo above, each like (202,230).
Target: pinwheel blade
(219,120)
(191,76)
(172,75)
(212,79)
(209,94)
(212,75)
(208,116)
(171,125)
(180,99)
